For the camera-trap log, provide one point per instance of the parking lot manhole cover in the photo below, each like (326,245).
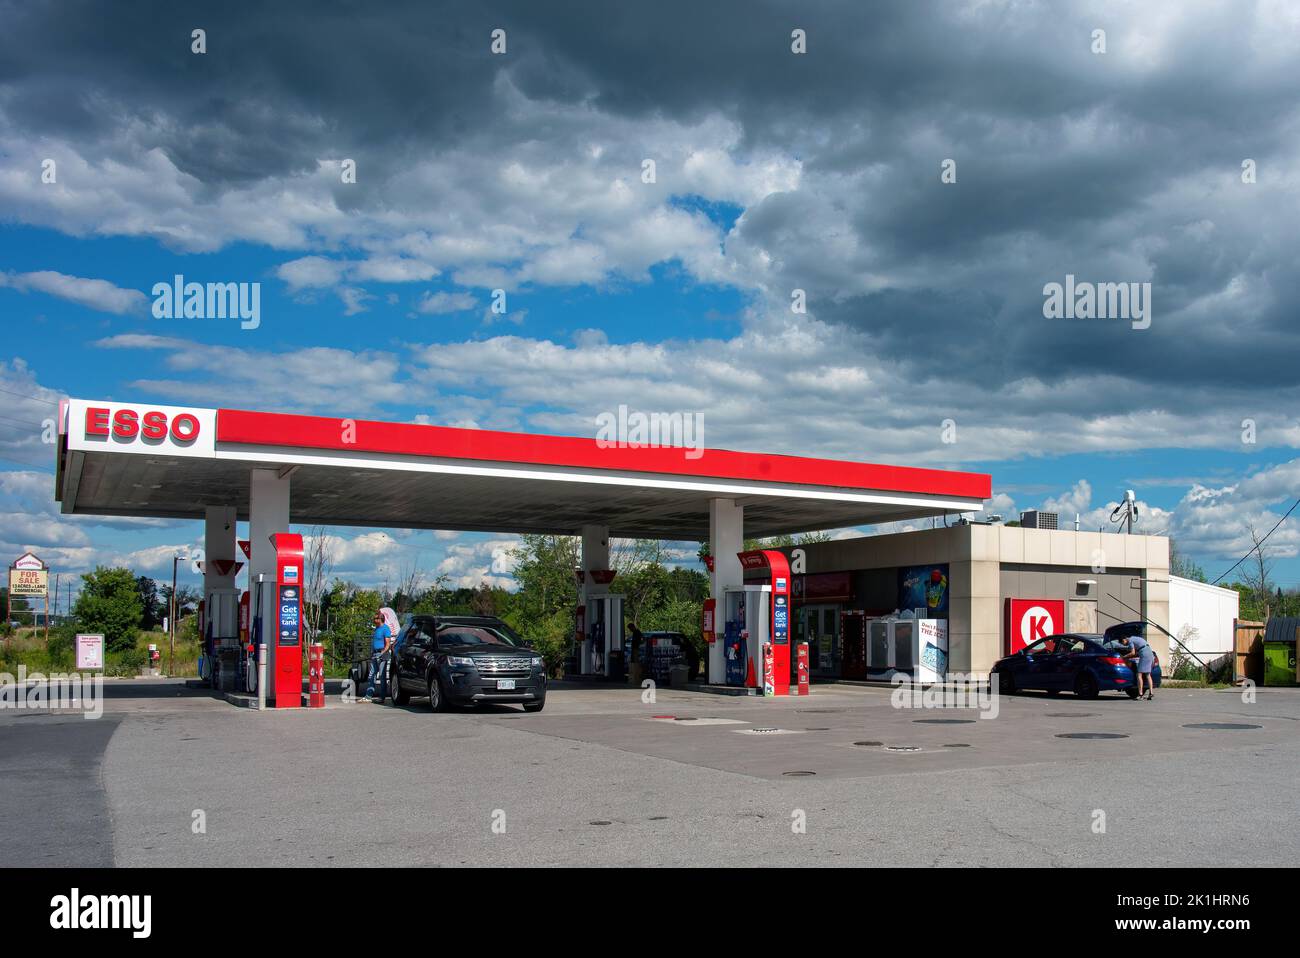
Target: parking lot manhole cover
(902,748)
(767,732)
(658,818)
(1091,735)
(1072,714)
(943,721)
(819,711)
(816,728)
(684,718)
(600,823)
(869,744)
(958,745)
(798,774)
(1221,725)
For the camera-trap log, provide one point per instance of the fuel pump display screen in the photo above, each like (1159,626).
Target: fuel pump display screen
(289,611)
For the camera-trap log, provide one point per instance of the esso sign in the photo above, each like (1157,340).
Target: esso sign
(115,427)
(1025,621)
(152,425)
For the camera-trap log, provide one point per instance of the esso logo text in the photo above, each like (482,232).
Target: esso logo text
(152,426)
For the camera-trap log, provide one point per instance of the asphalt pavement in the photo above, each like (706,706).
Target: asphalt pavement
(170,776)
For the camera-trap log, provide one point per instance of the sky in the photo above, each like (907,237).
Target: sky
(651,191)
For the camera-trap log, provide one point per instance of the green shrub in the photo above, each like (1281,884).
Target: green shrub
(551,637)
(60,651)
(110,603)
(126,664)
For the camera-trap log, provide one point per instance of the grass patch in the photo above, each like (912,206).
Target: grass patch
(30,649)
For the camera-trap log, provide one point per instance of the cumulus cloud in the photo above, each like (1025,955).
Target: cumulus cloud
(529,171)
(446,302)
(98,294)
(470,564)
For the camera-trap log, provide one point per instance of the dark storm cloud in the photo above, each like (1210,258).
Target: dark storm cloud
(1116,168)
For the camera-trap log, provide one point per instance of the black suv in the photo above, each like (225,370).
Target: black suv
(466,660)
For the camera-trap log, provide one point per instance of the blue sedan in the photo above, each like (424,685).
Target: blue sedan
(1084,663)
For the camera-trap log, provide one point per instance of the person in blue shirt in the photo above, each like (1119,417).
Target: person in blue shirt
(1140,649)
(379,644)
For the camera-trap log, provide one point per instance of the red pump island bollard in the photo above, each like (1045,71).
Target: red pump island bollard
(316,676)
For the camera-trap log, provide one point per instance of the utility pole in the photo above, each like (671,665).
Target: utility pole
(171,622)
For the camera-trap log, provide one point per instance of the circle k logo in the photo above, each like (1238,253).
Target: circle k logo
(1035,624)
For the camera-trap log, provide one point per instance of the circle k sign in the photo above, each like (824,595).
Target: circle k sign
(1027,620)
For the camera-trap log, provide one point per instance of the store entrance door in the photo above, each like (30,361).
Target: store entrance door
(819,626)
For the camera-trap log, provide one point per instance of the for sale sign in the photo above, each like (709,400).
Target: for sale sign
(28,577)
(1026,621)
(29,583)
(90,652)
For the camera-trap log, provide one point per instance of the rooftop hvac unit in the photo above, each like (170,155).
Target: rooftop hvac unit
(1038,520)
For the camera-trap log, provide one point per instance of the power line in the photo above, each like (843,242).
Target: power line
(1258,545)
(20,422)
(48,402)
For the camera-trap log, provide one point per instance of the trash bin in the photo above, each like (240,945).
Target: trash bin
(1279,663)
(616,666)
(679,675)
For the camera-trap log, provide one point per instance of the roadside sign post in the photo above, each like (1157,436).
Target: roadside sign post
(90,651)
(29,578)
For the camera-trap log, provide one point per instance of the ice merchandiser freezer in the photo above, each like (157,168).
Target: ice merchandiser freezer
(878,658)
(916,647)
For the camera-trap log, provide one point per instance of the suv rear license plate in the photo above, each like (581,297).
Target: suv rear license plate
(505,684)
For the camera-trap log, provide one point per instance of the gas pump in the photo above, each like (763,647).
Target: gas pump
(747,631)
(256,634)
(221,637)
(605,635)
(248,671)
(768,571)
(287,634)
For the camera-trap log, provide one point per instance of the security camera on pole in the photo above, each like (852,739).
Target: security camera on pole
(1126,512)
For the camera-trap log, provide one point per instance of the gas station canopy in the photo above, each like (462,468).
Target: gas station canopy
(139,459)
